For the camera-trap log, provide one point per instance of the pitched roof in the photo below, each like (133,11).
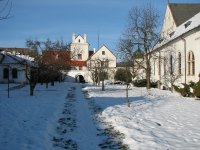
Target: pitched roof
(7,58)
(78,63)
(186,27)
(183,12)
(16,50)
(56,56)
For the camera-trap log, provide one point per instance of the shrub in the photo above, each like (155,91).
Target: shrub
(140,83)
(185,92)
(123,75)
(143,83)
(197,89)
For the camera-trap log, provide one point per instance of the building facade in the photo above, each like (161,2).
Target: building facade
(82,58)
(177,58)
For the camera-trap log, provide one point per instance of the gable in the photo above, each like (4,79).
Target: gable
(103,53)
(168,24)
(79,39)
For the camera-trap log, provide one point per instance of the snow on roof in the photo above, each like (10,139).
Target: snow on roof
(9,58)
(185,27)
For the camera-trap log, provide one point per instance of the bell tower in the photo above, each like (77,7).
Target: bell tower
(79,47)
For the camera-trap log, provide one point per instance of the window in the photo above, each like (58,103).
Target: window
(164,66)
(171,34)
(79,56)
(104,63)
(179,63)
(187,24)
(14,73)
(154,66)
(5,73)
(79,40)
(171,64)
(103,52)
(191,63)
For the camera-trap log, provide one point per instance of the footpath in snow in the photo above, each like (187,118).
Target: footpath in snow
(55,118)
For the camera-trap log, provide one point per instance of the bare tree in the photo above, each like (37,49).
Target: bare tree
(49,65)
(93,66)
(142,31)
(32,75)
(171,62)
(5,9)
(99,71)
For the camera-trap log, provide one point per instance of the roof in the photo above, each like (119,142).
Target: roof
(99,50)
(184,28)
(91,53)
(56,56)
(183,12)
(16,50)
(7,59)
(78,63)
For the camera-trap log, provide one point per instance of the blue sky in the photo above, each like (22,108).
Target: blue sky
(58,19)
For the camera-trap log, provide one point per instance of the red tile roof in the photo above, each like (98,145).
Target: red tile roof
(78,63)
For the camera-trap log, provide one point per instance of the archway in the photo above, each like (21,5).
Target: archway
(79,78)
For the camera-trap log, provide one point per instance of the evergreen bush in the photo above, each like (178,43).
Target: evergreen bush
(143,83)
(197,89)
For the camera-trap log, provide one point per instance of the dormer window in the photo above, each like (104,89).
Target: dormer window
(171,34)
(187,24)
(79,40)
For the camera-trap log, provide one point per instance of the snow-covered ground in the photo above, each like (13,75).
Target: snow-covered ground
(156,120)
(61,118)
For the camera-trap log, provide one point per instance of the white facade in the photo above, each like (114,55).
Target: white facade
(179,52)
(169,24)
(104,54)
(80,53)
(79,47)
(13,68)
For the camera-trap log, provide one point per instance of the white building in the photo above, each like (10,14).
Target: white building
(13,68)
(81,56)
(178,53)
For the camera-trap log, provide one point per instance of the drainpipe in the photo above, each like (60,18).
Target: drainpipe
(185,56)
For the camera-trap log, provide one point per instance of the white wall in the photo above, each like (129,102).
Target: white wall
(79,45)
(108,56)
(192,44)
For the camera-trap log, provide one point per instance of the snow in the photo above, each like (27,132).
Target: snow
(156,119)
(60,116)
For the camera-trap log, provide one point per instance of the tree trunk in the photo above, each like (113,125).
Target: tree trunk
(148,74)
(52,83)
(31,89)
(47,85)
(103,86)
(128,103)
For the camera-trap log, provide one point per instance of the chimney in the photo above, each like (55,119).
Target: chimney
(73,37)
(85,38)
(94,50)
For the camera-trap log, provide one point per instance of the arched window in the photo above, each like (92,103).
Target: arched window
(179,63)
(5,73)
(171,64)
(164,66)
(14,73)
(191,63)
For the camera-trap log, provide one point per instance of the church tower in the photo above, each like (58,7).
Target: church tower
(79,47)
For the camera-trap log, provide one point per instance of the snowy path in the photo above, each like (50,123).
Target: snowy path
(86,134)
